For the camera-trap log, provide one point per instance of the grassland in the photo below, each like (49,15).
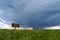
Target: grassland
(30,35)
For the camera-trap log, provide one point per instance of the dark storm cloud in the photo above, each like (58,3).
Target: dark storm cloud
(33,13)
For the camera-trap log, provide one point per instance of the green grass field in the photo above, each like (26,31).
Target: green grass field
(30,35)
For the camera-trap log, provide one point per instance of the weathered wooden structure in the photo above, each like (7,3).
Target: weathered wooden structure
(15,25)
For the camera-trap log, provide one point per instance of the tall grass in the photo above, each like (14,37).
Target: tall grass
(30,35)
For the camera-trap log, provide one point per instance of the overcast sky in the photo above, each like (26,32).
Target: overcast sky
(31,13)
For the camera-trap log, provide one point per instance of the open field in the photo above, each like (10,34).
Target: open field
(30,35)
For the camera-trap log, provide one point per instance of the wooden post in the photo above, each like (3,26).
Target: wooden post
(15,25)
(14,33)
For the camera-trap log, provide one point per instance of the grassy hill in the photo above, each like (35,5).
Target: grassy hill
(30,35)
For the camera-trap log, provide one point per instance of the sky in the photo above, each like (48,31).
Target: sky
(31,13)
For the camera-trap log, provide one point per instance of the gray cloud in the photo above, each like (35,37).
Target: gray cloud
(33,13)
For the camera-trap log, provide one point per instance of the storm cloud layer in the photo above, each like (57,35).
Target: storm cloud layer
(32,13)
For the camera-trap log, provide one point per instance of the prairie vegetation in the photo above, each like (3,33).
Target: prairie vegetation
(30,34)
